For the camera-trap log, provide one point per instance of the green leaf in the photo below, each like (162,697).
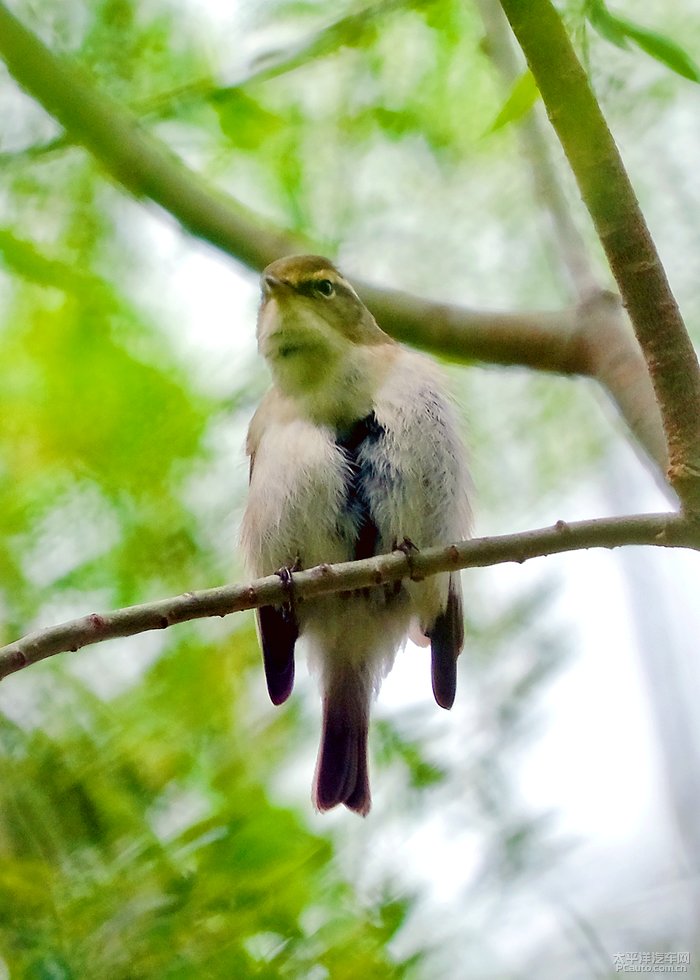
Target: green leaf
(663,49)
(605,23)
(619,30)
(519,102)
(243,120)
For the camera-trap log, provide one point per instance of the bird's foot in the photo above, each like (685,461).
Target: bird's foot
(286,577)
(410,550)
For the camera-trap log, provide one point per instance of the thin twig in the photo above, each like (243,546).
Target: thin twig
(664,530)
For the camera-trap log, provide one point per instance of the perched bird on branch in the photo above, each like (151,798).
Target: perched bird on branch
(354,452)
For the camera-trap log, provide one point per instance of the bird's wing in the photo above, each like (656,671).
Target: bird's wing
(278,628)
(446,640)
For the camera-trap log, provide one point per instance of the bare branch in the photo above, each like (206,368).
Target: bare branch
(606,190)
(664,530)
(616,361)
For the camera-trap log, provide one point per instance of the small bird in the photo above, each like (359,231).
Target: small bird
(354,452)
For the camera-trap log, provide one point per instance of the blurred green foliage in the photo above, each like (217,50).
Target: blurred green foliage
(138,837)
(620,31)
(136,840)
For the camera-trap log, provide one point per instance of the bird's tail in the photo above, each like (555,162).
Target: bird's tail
(341,770)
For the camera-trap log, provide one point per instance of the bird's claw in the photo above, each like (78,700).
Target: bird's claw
(286,577)
(409,549)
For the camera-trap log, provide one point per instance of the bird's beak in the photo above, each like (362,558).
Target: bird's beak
(271,284)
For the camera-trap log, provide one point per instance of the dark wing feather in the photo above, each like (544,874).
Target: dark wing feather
(446,639)
(279,631)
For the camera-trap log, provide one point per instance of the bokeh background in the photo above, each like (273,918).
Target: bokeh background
(155,818)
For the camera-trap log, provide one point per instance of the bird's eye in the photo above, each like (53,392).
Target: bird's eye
(325,287)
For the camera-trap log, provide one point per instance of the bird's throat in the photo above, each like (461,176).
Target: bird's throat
(330,390)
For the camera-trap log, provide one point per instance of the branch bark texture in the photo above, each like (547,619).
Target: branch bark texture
(606,190)
(664,530)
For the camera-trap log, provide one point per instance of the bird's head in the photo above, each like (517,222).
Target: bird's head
(312,325)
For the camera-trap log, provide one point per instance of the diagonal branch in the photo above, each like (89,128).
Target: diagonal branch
(550,341)
(348,30)
(663,530)
(608,194)
(138,161)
